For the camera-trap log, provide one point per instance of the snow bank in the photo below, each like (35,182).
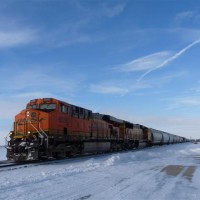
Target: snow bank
(135,175)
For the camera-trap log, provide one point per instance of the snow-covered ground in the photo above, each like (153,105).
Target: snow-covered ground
(160,173)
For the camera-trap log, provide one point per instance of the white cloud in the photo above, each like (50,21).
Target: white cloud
(185,15)
(31,95)
(79,30)
(167,61)
(108,89)
(145,63)
(188,16)
(123,86)
(154,61)
(188,101)
(102,9)
(30,84)
(35,80)
(120,87)
(184,103)
(13,38)
(112,11)
(14,32)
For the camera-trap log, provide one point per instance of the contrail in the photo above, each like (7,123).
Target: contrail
(165,62)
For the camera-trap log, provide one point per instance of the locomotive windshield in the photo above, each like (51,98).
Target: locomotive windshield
(34,106)
(46,106)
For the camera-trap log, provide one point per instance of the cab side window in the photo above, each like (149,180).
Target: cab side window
(63,108)
(81,113)
(75,111)
(88,114)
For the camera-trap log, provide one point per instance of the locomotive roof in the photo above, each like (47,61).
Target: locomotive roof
(97,115)
(112,119)
(53,99)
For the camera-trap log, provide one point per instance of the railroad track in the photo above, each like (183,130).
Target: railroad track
(6,165)
(11,165)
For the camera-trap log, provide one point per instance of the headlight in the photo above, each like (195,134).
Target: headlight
(28,114)
(29,132)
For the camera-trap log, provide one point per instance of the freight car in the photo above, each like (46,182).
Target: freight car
(49,128)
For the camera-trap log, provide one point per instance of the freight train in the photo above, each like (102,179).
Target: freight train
(50,128)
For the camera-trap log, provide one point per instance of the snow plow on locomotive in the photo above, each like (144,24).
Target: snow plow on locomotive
(49,128)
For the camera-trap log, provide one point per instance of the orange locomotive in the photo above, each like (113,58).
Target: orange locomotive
(51,128)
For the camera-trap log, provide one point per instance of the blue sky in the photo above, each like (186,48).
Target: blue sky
(136,60)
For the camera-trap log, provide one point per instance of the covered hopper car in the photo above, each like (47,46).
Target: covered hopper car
(49,128)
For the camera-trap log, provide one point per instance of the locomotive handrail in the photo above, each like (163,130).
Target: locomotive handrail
(37,131)
(45,135)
